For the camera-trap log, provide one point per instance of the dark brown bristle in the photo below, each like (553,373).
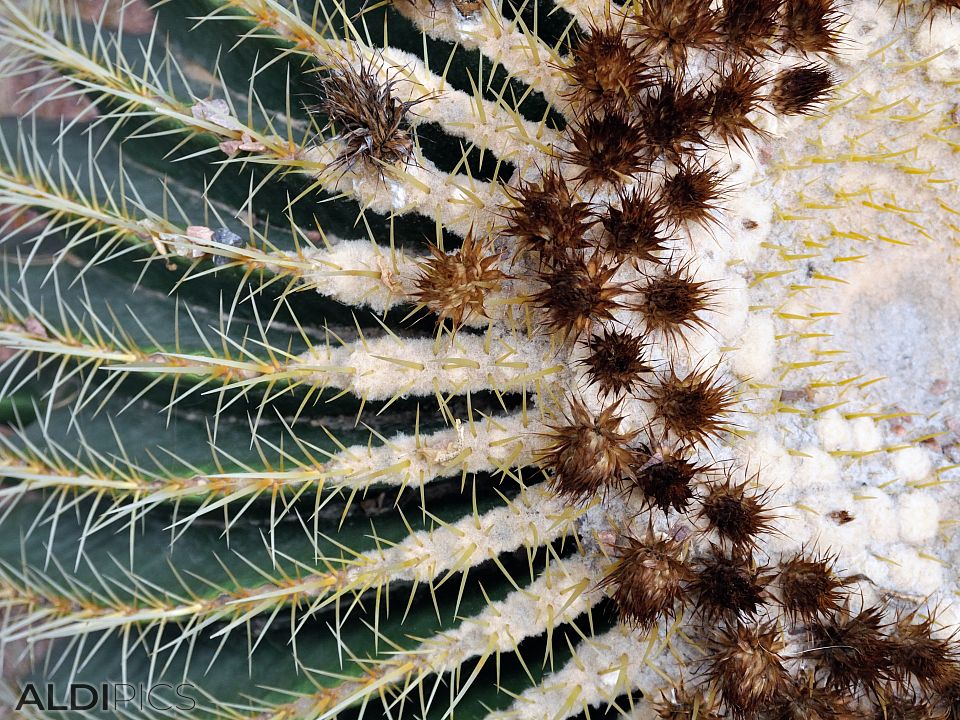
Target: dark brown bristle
(608,147)
(632,229)
(692,407)
(673,118)
(616,361)
(691,193)
(682,704)
(933,6)
(672,303)
(737,93)
(455,286)
(605,71)
(547,218)
(749,25)
(851,650)
(666,481)
(667,28)
(808,587)
(931,661)
(746,667)
(949,701)
(894,705)
(803,699)
(578,294)
(729,587)
(648,579)
(737,516)
(799,90)
(371,122)
(810,26)
(587,453)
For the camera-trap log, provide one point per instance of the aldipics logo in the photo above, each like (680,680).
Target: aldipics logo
(107,696)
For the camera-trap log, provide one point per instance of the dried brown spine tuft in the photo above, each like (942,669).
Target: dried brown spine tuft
(605,72)
(810,26)
(932,7)
(808,587)
(805,699)
(683,704)
(673,118)
(616,362)
(608,148)
(588,454)
(672,302)
(455,286)
(632,230)
(730,586)
(932,662)
(669,27)
(547,218)
(799,90)
(908,705)
(647,580)
(666,481)
(371,122)
(851,650)
(749,25)
(692,408)
(738,516)
(736,94)
(690,194)
(578,294)
(746,666)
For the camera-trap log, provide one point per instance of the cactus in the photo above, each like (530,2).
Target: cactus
(466,359)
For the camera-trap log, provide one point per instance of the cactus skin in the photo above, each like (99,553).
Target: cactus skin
(310,473)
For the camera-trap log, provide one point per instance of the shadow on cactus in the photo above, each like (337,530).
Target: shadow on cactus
(358,360)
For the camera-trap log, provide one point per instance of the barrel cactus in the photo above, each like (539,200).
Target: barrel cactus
(472,359)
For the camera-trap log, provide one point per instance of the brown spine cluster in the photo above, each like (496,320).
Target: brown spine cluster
(852,649)
(455,285)
(809,589)
(693,407)
(673,117)
(616,363)
(738,516)
(648,579)
(729,585)
(588,453)
(607,72)
(579,293)
(737,93)
(669,28)
(921,657)
(371,122)
(749,26)
(800,90)
(609,147)
(547,219)
(666,481)
(746,666)
(683,704)
(634,228)
(672,302)
(810,26)
(692,194)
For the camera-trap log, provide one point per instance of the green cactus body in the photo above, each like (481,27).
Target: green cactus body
(462,360)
